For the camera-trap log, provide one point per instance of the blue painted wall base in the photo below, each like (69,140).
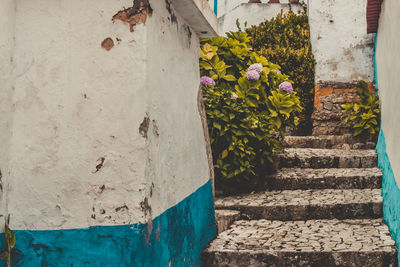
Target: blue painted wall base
(390,192)
(177,238)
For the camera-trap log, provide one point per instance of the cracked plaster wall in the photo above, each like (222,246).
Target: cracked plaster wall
(342,48)
(77,157)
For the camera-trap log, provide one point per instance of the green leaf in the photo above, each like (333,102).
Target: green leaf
(229,78)
(224,154)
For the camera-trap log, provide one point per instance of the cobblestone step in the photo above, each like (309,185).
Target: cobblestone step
(327,158)
(365,243)
(225,218)
(330,178)
(346,141)
(306,204)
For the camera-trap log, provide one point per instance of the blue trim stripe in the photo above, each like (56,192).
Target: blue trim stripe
(176,238)
(375,66)
(216,7)
(390,192)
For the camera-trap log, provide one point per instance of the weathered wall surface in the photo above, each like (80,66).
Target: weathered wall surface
(79,103)
(388,69)
(252,13)
(343,50)
(107,150)
(7,20)
(225,6)
(177,161)
(388,83)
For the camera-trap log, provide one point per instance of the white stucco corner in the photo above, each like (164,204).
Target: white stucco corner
(388,69)
(199,15)
(100,124)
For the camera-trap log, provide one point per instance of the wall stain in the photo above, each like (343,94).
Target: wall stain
(100,165)
(155,128)
(107,44)
(124,207)
(189,35)
(172,17)
(137,14)
(144,127)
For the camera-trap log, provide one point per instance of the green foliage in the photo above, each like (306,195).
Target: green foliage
(246,118)
(285,40)
(10,241)
(364,116)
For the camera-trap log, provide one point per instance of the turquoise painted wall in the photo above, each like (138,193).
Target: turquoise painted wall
(176,237)
(390,192)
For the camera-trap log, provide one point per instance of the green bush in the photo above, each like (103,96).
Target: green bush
(246,118)
(364,116)
(285,40)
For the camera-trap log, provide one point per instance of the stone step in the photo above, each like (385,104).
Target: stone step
(364,243)
(330,127)
(306,204)
(333,178)
(327,158)
(346,141)
(225,218)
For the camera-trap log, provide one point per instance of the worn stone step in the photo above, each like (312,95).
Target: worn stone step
(365,243)
(224,218)
(346,141)
(331,178)
(306,204)
(327,158)
(330,127)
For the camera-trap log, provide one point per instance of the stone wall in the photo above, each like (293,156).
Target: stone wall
(328,101)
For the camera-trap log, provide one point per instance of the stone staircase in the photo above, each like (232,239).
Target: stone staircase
(325,209)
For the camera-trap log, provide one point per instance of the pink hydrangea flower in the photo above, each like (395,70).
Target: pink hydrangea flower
(205,80)
(252,75)
(286,86)
(257,67)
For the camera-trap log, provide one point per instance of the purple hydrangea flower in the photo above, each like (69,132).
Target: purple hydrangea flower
(252,75)
(205,80)
(286,86)
(257,67)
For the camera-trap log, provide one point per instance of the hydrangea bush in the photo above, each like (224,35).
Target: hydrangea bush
(285,40)
(247,109)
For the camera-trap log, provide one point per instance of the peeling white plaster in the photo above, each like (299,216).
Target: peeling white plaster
(343,50)
(75,102)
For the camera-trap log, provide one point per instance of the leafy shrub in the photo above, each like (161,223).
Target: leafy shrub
(246,112)
(364,116)
(285,40)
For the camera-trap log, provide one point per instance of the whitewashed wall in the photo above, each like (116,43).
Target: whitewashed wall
(7,20)
(252,13)
(388,70)
(341,45)
(74,102)
(342,48)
